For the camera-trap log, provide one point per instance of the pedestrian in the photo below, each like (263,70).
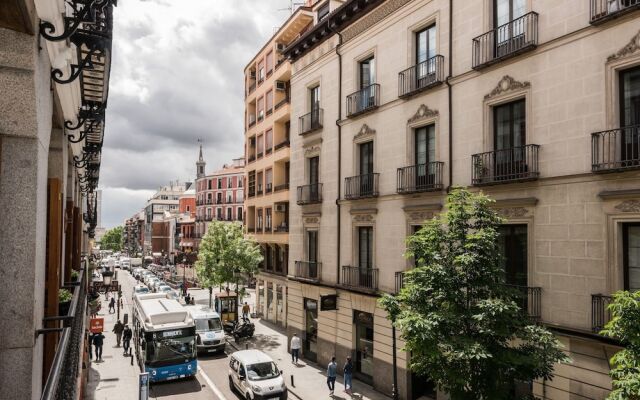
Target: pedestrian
(126,338)
(117,329)
(98,341)
(245,310)
(187,299)
(295,348)
(348,375)
(112,305)
(90,340)
(332,370)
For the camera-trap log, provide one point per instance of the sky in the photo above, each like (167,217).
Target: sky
(176,77)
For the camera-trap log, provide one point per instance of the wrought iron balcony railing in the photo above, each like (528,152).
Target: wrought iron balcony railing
(284,143)
(362,278)
(284,186)
(310,194)
(600,313)
(506,41)
(62,381)
(361,186)
(365,99)
(311,121)
(422,76)
(616,149)
(508,165)
(310,270)
(420,178)
(604,10)
(530,300)
(282,228)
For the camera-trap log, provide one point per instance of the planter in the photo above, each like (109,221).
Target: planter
(63,308)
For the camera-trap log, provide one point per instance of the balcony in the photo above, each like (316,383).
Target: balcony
(600,313)
(616,149)
(399,281)
(252,120)
(420,178)
(530,300)
(284,186)
(605,10)
(310,122)
(252,87)
(310,194)
(285,143)
(259,154)
(62,380)
(422,76)
(360,278)
(508,40)
(208,218)
(282,102)
(308,270)
(251,158)
(365,99)
(516,164)
(282,228)
(251,230)
(361,186)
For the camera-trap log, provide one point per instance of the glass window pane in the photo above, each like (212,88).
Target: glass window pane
(630,97)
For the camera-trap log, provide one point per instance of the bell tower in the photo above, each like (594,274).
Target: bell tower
(200,165)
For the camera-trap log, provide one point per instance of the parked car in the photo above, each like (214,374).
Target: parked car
(255,375)
(140,289)
(157,284)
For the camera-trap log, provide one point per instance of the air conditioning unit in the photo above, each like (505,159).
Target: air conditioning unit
(280,47)
(281,86)
(281,208)
(252,74)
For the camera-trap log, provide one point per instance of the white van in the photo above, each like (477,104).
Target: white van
(209,332)
(256,376)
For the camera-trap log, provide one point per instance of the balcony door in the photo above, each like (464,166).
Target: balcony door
(631,256)
(366,169)
(314,102)
(513,247)
(509,139)
(314,174)
(509,33)
(425,51)
(630,115)
(425,153)
(312,253)
(365,256)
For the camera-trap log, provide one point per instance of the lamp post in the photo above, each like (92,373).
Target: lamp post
(394,388)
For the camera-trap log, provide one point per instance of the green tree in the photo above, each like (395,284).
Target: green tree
(625,326)
(112,239)
(459,320)
(225,256)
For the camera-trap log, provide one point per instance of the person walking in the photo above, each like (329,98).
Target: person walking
(332,372)
(90,340)
(296,345)
(98,341)
(245,311)
(348,376)
(117,329)
(126,338)
(112,305)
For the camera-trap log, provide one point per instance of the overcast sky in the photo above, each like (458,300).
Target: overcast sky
(176,76)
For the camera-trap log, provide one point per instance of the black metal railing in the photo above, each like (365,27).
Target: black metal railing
(310,194)
(506,165)
(530,300)
(62,381)
(282,228)
(252,158)
(310,270)
(363,100)
(361,186)
(251,230)
(506,41)
(285,143)
(268,187)
(399,281)
(259,155)
(421,76)
(282,102)
(284,186)
(420,178)
(600,313)
(616,149)
(604,10)
(363,278)
(311,121)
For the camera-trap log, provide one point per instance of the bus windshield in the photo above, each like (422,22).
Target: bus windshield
(161,350)
(212,324)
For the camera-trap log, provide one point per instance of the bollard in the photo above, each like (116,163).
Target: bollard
(131,359)
(246,346)
(292,385)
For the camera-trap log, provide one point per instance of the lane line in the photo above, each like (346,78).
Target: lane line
(213,387)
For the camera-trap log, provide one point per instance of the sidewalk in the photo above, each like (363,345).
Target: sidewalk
(114,377)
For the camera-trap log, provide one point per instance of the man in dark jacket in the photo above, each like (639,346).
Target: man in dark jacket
(117,329)
(98,341)
(126,337)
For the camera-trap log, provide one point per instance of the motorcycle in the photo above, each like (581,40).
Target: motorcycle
(243,330)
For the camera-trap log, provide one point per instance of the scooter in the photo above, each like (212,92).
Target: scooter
(243,330)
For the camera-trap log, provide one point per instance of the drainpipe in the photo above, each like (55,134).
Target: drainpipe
(449,92)
(339,147)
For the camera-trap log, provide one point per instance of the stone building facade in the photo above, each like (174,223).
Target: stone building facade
(534,103)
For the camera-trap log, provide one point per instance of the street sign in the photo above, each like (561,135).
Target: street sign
(328,302)
(100,287)
(96,325)
(143,381)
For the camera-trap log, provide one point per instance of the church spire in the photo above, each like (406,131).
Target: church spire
(200,164)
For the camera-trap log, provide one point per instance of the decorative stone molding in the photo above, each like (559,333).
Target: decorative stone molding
(363,218)
(629,206)
(513,212)
(311,220)
(507,84)
(423,112)
(372,18)
(420,216)
(364,133)
(312,151)
(630,48)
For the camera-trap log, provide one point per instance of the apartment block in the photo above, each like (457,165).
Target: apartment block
(534,103)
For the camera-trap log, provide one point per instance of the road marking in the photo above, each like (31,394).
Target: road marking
(213,387)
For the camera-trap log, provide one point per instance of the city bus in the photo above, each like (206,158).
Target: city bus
(164,337)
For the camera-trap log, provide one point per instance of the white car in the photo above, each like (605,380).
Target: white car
(151,282)
(140,289)
(157,284)
(209,332)
(255,375)
(168,290)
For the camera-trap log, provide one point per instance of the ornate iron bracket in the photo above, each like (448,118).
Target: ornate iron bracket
(84,12)
(76,69)
(91,111)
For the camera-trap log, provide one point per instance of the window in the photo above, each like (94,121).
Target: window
(269,100)
(508,36)
(365,247)
(268,138)
(229,214)
(631,256)
(252,183)
(260,145)
(367,72)
(260,108)
(209,184)
(219,213)
(366,158)
(269,62)
(260,182)
(218,198)
(314,98)
(261,71)
(425,51)
(513,246)
(268,176)
(229,197)
(229,182)
(425,153)
(240,182)
(267,223)
(259,223)
(239,214)
(314,163)
(323,11)
(219,183)
(630,115)
(312,246)
(506,11)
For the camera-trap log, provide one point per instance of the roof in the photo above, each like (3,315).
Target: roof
(158,311)
(199,312)
(251,356)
